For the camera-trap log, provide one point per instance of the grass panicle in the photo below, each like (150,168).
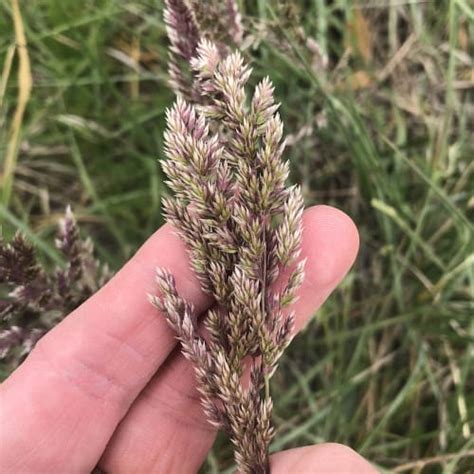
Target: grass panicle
(242,225)
(34,297)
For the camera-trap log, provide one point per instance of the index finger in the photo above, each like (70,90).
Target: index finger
(81,378)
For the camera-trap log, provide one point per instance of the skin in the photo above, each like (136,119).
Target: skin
(108,385)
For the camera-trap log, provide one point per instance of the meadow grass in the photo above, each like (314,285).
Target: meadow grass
(377,99)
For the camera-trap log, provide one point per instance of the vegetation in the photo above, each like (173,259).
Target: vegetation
(243,228)
(377,98)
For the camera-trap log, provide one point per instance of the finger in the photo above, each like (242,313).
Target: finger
(59,409)
(330,458)
(165,430)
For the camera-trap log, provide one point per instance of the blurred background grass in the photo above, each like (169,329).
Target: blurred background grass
(377,98)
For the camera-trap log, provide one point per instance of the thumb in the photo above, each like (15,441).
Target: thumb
(327,458)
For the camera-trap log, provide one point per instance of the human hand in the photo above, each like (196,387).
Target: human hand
(108,386)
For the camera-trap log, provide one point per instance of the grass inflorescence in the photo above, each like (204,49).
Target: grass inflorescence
(242,226)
